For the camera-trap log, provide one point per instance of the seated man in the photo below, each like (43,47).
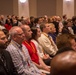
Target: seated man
(32,49)
(64,64)
(46,41)
(6,64)
(20,55)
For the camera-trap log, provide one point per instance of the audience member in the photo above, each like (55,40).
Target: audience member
(8,17)
(35,35)
(68,27)
(2,20)
(74,24)
(56,23)
(64,18)
(19,53)
(32,24)
(65,42)
(46,41)
(32,49)
(38,21)
(64,64)
(52,32)
(8,25)
(6,65)
(65,28)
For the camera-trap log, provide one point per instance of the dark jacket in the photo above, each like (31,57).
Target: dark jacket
(6,64)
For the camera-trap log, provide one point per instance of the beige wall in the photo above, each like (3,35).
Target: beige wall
(46,7)
(37,8)
(15,7)
(75,7)
(6,7)
(52,7)
(68,8)
(59,7)
(33,8)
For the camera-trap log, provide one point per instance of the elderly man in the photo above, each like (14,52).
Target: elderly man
(64,64)
(20,54)
(46,41)
(6,64)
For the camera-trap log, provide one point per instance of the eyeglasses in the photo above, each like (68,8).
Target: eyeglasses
(20,34)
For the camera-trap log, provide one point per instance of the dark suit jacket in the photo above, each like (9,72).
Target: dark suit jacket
(9,69)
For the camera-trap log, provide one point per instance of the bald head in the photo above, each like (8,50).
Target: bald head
(27,31)
(24,27)
(64,64)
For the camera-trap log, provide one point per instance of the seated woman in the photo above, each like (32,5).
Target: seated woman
(8,25)
(35,35)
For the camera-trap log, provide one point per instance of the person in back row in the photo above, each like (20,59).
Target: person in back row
(19,53)
(6,65)
(52,32)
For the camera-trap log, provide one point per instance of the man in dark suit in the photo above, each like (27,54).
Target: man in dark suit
(6,64)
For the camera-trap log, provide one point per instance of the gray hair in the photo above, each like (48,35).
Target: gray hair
(13,31)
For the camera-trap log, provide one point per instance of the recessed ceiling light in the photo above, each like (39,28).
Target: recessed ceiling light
(22,1)
(68,0)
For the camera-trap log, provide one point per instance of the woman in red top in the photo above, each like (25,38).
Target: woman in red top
(8,25)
